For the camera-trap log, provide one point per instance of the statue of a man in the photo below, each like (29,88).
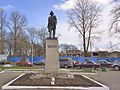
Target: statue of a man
(52,22)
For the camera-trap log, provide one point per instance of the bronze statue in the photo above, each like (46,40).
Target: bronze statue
(52,22)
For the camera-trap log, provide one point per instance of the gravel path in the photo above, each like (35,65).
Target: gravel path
(110,79)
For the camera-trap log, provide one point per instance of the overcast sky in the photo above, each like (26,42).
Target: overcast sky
(37,12)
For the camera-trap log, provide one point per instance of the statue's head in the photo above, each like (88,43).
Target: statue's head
(51,13)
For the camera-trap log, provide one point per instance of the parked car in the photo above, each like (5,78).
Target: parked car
(88,64)
(66,62)
(39,63)
(27,64)
(76,63)
(116,64)
(104,63)
(3,62)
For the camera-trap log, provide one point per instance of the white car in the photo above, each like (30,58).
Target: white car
(66,62)
(116,65)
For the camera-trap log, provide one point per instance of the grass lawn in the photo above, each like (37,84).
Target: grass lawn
(74,70)
(15,67)
(85,70)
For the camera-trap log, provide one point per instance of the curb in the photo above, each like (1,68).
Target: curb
(104,86)
(6,86)
(2,71)
(86,73)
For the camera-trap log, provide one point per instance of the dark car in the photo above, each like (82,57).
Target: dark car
(27,64)
(88,64)
(3,62)
(76,63)
(39,62)
(66,62)
(104,63)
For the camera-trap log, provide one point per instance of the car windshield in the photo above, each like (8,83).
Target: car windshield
(116,61)
(63,60)
(88,62)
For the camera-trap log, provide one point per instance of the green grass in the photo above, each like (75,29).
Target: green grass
(82,70)
(85,70)
(15,67)
(104,69)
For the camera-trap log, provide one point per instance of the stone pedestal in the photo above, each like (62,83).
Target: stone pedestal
(52,55)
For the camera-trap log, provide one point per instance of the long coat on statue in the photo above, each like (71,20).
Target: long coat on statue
(52,21)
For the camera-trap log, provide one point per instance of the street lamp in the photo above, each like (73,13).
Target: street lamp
(32,53)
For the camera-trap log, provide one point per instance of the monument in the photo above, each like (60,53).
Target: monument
(52,22)
(52,54)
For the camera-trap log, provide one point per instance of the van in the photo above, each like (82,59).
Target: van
(66,62)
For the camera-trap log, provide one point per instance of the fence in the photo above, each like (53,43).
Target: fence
(81,59)
(40,58)
(35,59)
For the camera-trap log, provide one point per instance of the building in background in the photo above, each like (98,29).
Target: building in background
(106,54)
(71,53)
(97,54)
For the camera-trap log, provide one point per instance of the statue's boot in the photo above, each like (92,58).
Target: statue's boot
(53,33)
(50,34)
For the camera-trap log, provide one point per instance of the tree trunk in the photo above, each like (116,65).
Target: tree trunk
(84,45)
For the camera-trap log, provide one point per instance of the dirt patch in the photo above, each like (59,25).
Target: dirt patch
(78,80)
(26,81)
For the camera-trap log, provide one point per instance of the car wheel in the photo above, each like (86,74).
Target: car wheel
(26,65)
(66,66)
(78,67)
(116,68)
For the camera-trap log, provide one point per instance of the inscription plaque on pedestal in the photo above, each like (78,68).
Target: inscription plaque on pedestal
(52,55)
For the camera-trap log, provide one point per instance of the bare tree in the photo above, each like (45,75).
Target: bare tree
(115,27)
(23,44)
(85,17)
(116,19)
(2,30)
(17,24)
(41,35)
(9,43)
(68,47)
(32,35)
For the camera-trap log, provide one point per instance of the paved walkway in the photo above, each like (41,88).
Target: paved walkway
(6,77)
(110,79)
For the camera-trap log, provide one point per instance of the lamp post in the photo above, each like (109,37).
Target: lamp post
(32,52)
